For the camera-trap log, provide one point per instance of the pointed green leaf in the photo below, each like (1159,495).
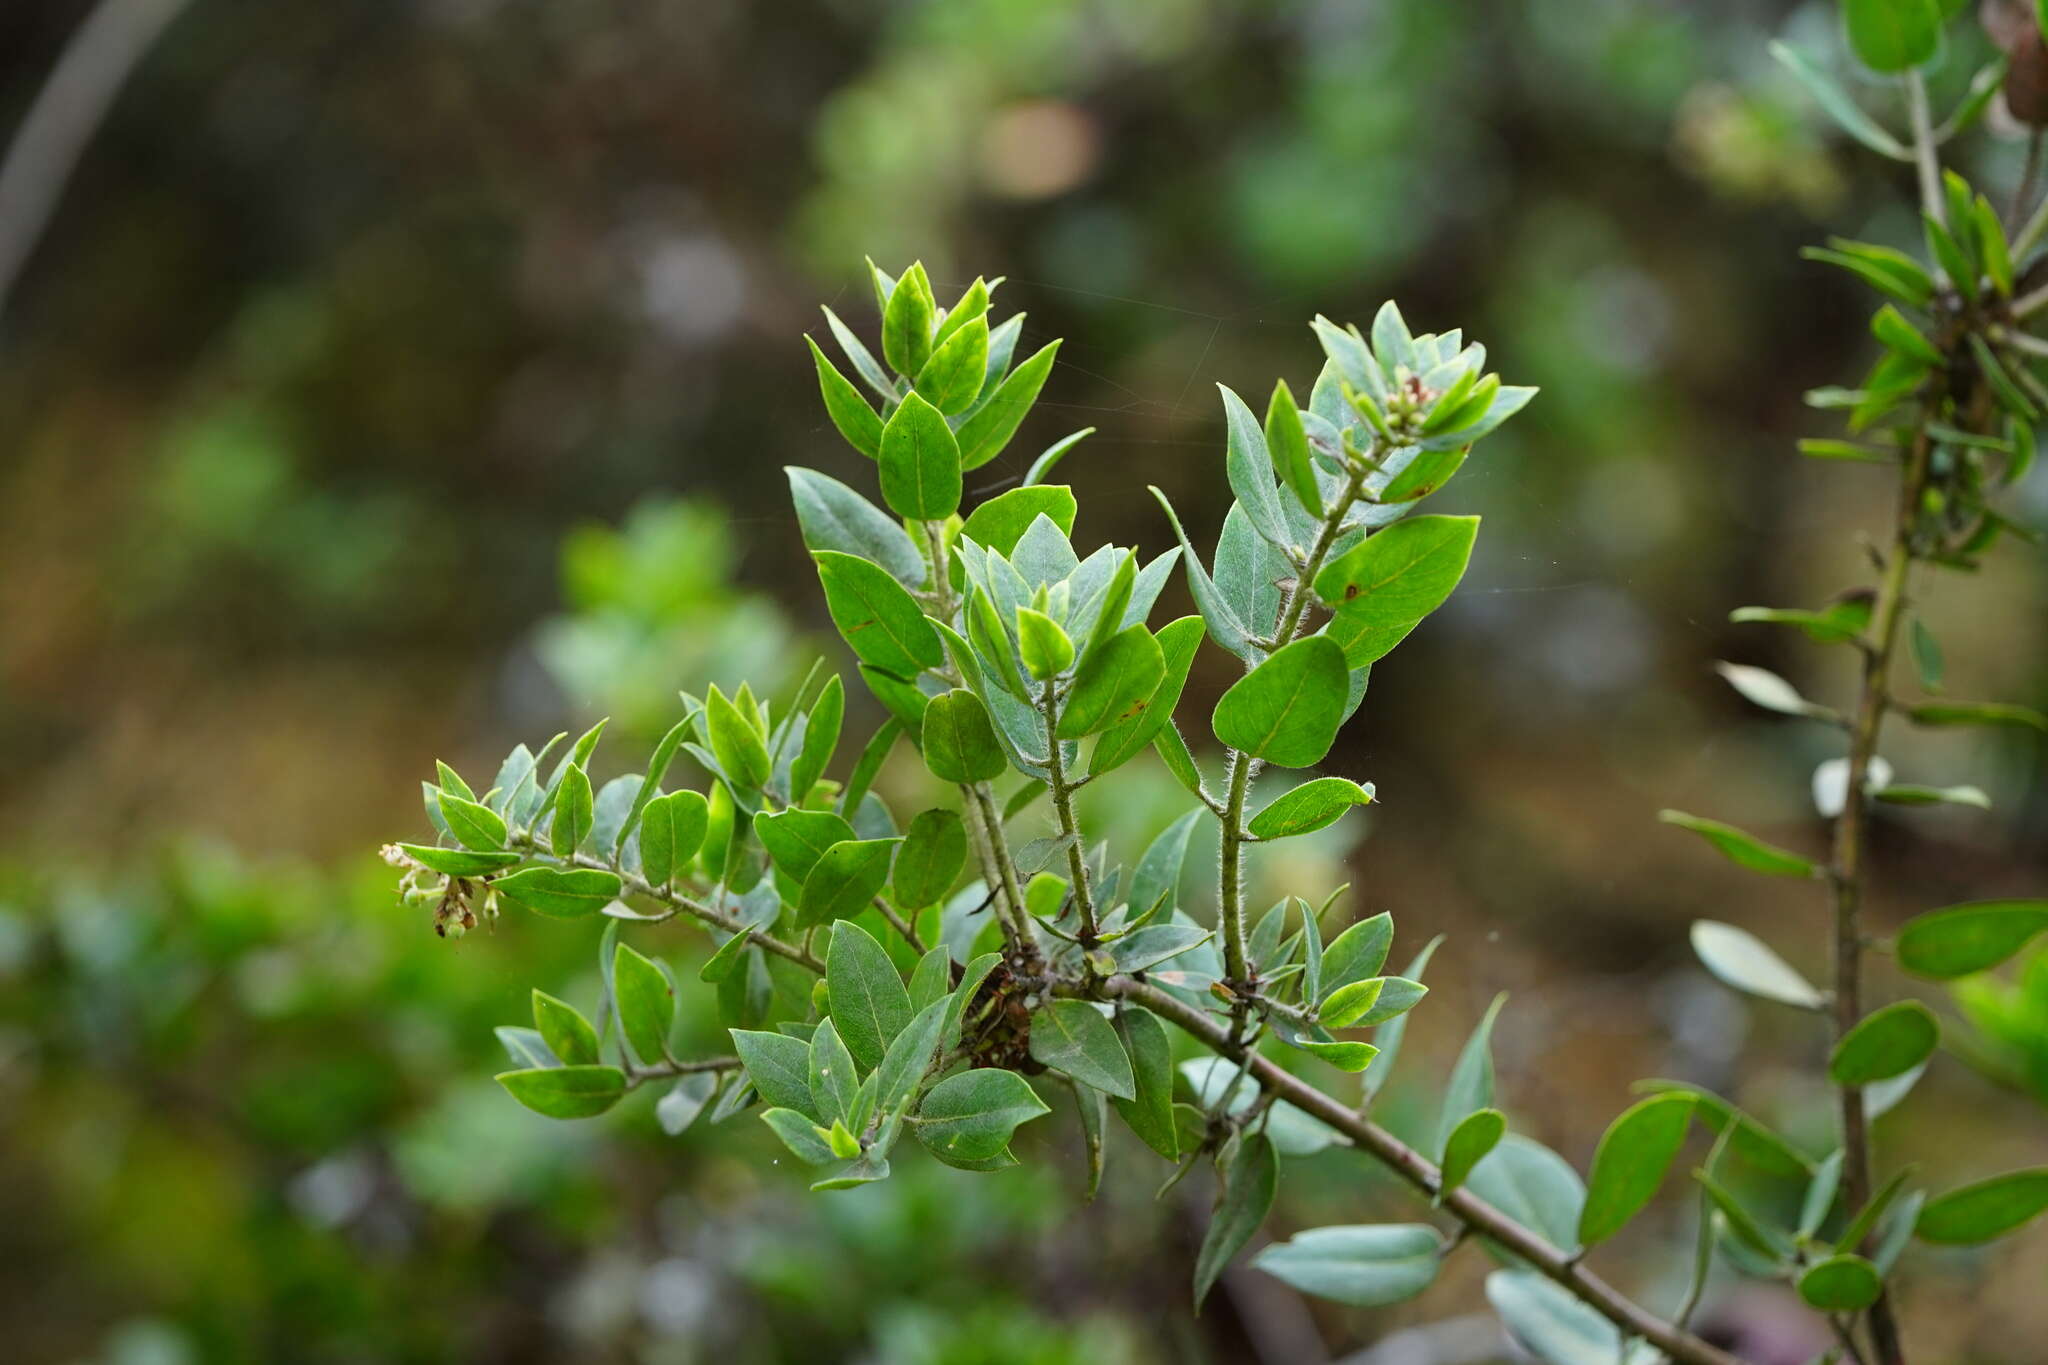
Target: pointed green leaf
(1741,848)
(1961,939)
(933,851)
(1634,1155)
(1249,1184)
(796,839)
(1475,1137)
(851,413)
(1113,684)
(477,826)
(457,862)
(566,1092)
(1288,709)
(1000,523)
(1389,582)
(846,877)
(646,1003)
(1885,1043)
(560,894)
(972,1115)
(573,815)
(907,322)
(877,617)
(1471,1085)
(1309,807)
(779,1067)
(1150,1111)
(920,461)
(1987,1209)
(1072,1037)
(568,1035)
(833,517)
(1287,442)
(869,1003)
(984,434)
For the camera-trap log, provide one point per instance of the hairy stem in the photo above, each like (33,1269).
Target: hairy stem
(1471,1211)
(1850,835)
(1063,809)
(984,825)
(1923,151)
(1239,767)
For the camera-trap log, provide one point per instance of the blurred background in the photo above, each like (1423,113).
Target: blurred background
(401,379)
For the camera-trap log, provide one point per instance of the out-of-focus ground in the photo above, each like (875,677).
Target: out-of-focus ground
(355,312)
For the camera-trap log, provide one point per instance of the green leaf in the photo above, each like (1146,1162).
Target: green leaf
(1309,807)
(1892,35)
(1841,1284)
(972,1115)
(960,742)
(1838,104)
(862,1170)
(800,1135)
(1042,642)
(1744,962)
(1884,269)
(741,754)
(1000,523)
(1840,623)
(1987,1209)
(1249,1185)
(566,1092)
(646,1003)
(1742,849)
(908,1058)
(834,1080)
(907,322)
(1224,627)
(1365,1267)
(1150,1111)
(477,826)
(571,825)
(989,428)
(1633,1158)
(1173,752)
(846,878)
(1890,327)
(1532,1185)
(851,413)
(1114,684)
(526,1047)
(1349,1003)
(457,862)
(833,517)
(1885,1043)
(796,839)
(1550,1324)
(1178,640)
(1073,1038)
(779,1067)
(1958,713)
(920,463)
(1288,709)
(1756,1144)
(568,1035)
(877,616)
(821,737)
(559,893)
(869,1003)
(952,378)
(1391,1037)
(1249,470)
(1357,953)
(1773,693)
(1042,467)
(1287,442)
(929,861)
(1961,939)
(1910,794)
(1476,1135)
(1382,588)
(1471,1085)
(658,841)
